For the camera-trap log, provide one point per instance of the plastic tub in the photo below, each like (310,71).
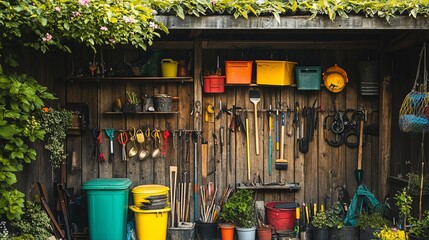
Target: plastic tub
(143,191)
(107,207)
(151,224)
(214,84)
(281,215)
(270,72)
(308,78)
(238,72)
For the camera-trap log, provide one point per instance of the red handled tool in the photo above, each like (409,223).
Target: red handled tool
(123,139)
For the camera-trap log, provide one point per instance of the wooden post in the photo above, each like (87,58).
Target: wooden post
(385,133)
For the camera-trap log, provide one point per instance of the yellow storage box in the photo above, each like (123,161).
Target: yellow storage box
(279,73)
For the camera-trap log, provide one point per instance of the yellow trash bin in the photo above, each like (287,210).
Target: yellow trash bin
(143,191)
(151,224)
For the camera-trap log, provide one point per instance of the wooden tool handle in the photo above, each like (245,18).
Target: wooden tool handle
(359,167)
(204,156)
(256,129)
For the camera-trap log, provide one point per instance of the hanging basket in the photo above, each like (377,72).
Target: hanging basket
(412,118)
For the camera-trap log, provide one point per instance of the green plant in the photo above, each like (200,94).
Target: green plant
(414,182)
(372,220)
(35,223)
(419,227)
(21,101)
(45,24)
(56,121)
(403,202)
(320,220)
(132,98)
(335,215)
(239,209)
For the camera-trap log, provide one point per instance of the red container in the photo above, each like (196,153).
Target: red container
(238,72)
(281,215)
(214,84)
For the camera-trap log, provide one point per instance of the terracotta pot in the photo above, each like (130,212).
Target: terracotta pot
(227,230)
(264,233)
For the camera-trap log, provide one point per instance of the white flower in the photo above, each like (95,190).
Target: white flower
(58,9)
(84,2)
(47,37)
(260,2)
(128,19)
(153,25)
(103,28)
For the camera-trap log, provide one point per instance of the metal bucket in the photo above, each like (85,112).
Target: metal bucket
(162,102)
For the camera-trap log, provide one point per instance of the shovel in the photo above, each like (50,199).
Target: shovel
(133,150)
(110,132)
(255,98)
(359,171)
(143,153)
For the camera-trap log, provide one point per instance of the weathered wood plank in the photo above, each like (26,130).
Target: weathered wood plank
(385,130)
(292,22)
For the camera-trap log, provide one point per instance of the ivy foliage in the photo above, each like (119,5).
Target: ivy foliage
(55,122)
(21,101)
(45,24)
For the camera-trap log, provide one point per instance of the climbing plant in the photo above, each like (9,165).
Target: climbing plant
(21,101)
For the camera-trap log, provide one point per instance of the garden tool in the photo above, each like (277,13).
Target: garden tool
(255,98)
(123,139)
(209,110)
(195,141)
(282,164)
(165,136)
(277,130)
(133,150)
(99,136)
(270,142)
(110,132)
(247,146)
(143,153)
(155,135)
(359,171)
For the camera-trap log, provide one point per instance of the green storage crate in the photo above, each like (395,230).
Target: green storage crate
(308,78)
(107,207)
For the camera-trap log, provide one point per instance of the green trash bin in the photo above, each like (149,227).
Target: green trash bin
(107,207)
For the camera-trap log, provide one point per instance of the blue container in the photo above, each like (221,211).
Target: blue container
(308,78)
(107,207)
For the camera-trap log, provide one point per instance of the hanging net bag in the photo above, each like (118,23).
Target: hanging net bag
(412,118)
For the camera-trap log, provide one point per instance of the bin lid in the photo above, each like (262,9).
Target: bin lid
(150,189)
(107,183)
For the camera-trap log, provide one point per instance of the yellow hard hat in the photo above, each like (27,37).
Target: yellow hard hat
(335,79)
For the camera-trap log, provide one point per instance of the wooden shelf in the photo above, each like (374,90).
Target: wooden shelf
(139,113)
(287,186)
(131,79)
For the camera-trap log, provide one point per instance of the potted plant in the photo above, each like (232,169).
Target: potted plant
(132,104)
(337,228)
(320,226)
(418,227)
(371,223)
(240,210)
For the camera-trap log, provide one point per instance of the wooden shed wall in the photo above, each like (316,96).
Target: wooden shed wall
(318,172)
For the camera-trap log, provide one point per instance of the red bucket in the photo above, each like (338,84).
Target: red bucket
(281,215)
(214,84)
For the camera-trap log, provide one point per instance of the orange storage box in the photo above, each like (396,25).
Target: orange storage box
(214,84)
(238,72)
(280,73)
